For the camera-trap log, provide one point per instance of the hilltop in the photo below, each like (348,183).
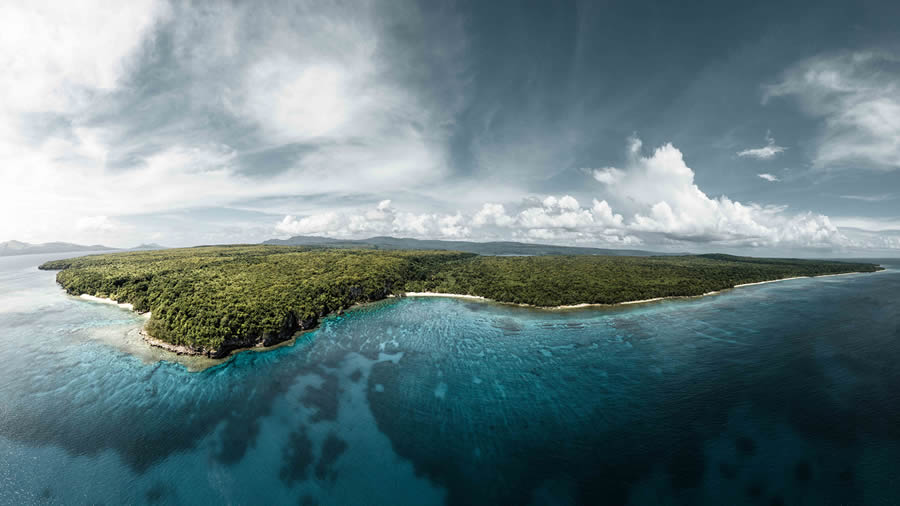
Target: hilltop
(481,248)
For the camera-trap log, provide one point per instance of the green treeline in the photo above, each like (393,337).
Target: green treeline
(212,299)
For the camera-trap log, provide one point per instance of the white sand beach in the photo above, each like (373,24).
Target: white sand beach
(438,294)
(103,300)
(625,303)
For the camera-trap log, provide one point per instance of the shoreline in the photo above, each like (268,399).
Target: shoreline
(803,277)
(182,350)
(553,308)
(623,303)
(440,294)
(123,305)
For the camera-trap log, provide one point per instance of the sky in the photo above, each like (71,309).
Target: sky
(757,128)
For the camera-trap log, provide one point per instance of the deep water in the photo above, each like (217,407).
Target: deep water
(782,393)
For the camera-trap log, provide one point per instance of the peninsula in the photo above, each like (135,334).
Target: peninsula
(212,300)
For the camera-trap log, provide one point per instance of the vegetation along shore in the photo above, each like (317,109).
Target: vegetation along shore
(213,300)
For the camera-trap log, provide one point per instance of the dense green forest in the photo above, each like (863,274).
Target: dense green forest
(214,299)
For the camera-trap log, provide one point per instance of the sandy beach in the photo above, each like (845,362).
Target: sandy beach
(123,305)
(802,277)
(438,294)
(571,306)
(625,303)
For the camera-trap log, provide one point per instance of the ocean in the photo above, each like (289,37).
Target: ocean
(780,393)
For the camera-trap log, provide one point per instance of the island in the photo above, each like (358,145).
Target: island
(213,300)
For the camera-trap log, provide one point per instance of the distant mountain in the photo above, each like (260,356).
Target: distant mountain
(147,247)
(482,248)
(10,248)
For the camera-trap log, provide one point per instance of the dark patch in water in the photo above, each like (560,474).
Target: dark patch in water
(802,471)
(755,489)
(332,448)
(323,398)
(727,470)
(475,307)
(307,500)
(846,475)
(776,500)
(746,447)
(686,467)
(236,438)
(156,493)
(507,325)
(296,457)
(356,375)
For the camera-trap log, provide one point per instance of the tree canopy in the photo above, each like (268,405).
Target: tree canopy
(213,299)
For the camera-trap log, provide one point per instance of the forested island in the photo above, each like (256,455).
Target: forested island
(212,300)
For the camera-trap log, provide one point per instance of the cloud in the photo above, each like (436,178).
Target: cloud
(383,219)
(857,97)
(552,217)
(323,223)
(555,218)
(871,224)
(608,175)
(96,224)
(767,152)
(661,191)
(453,226)
(665,207)
(769,177)
(870,198)
(874,242)
(57,55)
(492,214)
(148,107)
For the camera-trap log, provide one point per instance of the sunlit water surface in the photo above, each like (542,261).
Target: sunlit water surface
(783,393)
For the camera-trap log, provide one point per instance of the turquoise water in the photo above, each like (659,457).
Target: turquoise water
(783,393)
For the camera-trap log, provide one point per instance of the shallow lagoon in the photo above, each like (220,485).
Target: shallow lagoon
(776,393)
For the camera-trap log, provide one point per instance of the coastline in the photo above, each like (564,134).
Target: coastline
(123,305)
(552,308)
(440,294)
(624,303)
(182,350)
(802,277)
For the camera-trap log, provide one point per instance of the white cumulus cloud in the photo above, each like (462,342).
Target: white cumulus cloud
(322,223)
(667,201)
(96,224)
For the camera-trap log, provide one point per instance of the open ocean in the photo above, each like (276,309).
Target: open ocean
(781,393)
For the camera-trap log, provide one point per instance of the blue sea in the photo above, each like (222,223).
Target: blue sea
(780,393)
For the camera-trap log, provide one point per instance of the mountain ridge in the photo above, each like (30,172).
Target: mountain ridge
(14,248)
(11,248)
(481,248)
